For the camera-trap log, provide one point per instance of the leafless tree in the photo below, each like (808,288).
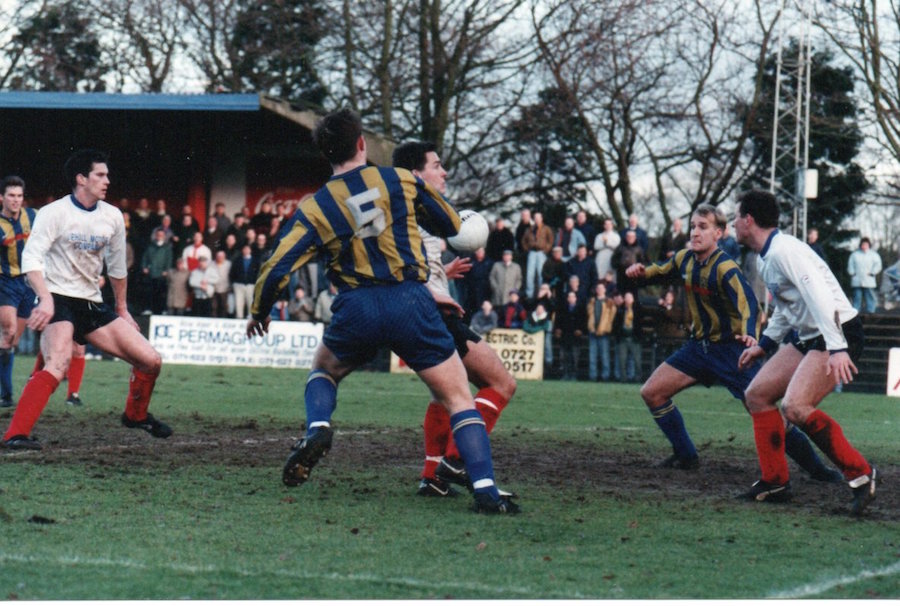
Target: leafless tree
(208,27)
(441,70)
(144,39)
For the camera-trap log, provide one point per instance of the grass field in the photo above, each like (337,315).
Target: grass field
(109,513)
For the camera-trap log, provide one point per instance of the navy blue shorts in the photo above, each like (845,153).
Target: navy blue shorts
(712,363)
(86,316)
(403,317)
(15,292)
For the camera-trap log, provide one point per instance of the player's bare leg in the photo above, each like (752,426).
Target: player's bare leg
(121,339)
(9,333)
(806,391)
(449,386)
(495,384)
(56,347)
(657,393)
(770,384)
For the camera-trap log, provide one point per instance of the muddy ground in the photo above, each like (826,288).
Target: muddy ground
(521,459)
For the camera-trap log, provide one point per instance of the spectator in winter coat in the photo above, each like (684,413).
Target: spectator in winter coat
(864,266)
(505,276)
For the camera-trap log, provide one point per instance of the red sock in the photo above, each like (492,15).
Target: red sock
(437,433)
(139,391)
(31,404)
(829,437)
(490,404)
(768,430)
(76,373)
(38,363)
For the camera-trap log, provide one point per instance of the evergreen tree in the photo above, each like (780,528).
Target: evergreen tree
(274,44)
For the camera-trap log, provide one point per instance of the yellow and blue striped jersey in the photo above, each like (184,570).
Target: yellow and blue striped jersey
(363,223)
(14,234)
(720,299)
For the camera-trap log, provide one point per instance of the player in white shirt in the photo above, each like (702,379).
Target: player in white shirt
(63,261)
(825,340)
(495,384)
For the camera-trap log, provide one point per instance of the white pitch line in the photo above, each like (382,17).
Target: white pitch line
(813,589)
(294,574)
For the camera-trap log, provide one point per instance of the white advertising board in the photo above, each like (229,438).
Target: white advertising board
(893,377)
(223,342)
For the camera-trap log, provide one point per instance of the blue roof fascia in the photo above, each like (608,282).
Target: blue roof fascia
(144,101)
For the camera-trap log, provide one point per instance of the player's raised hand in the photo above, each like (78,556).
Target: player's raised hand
(257,328)
(458,267)
(842,366)
(635,271)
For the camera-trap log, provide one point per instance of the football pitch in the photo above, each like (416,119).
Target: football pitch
(105,512)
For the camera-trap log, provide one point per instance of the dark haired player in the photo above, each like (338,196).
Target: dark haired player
(825,341)
(483,367)
(63,260)
(16,296)
(723,310)
(363,223)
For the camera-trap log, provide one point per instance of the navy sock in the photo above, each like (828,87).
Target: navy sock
(475,449)
(670,422)
(798,447)
(321,400)
(6,364)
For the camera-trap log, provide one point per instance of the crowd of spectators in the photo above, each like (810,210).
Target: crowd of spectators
(183,266)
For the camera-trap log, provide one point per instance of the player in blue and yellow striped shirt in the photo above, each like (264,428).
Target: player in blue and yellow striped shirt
(16,297)
(363,222)
(723,310)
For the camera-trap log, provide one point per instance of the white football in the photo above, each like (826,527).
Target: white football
(473,232)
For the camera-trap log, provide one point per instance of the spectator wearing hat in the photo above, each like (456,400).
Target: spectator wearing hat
(505,276)
(512,314)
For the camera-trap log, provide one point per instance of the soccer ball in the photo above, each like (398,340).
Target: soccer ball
(473,232)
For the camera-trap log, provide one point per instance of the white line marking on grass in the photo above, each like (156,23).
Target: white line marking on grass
(812,589)
(294,574)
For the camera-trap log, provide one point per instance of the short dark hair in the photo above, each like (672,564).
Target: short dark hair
(861,241)
(336,135)
(411,155)
(82,163)
(12,181)
(761,205)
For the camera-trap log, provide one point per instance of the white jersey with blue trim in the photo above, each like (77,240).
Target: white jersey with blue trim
(69,243)
(807,296)
(437,277)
